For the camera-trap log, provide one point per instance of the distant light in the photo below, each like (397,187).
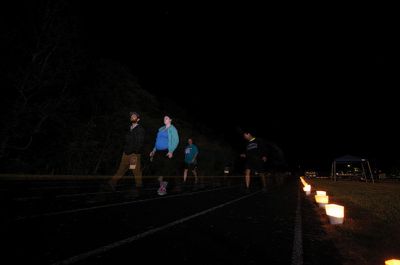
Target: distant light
(322,200)
(303,181)
(335,213)
(348,165)
(320,192)
(392,262)
(226,171)
(307,189)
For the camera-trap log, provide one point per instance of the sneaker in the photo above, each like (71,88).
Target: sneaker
(160,190)
(163,188)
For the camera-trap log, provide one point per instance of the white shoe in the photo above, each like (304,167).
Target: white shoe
(161,192)
(163,188)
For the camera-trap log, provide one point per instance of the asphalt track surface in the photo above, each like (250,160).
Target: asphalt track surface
(81,222)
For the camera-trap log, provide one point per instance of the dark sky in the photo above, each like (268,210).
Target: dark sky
(319,81)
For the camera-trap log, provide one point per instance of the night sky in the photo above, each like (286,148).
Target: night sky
(318,81)
(327,79)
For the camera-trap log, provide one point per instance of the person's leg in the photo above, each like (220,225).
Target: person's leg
(157,167)
(166,171)
(137,170)
(263,181)
(172,173)
(185,174)
(194,171)
(161,162)
(123,167)
(224,179)
(271,178)
(247,178)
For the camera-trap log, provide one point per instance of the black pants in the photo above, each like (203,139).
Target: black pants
(165,167)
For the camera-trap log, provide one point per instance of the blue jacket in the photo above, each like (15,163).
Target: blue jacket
(173,138)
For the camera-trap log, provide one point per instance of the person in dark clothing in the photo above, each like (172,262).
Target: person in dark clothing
(134,141)
(255,159)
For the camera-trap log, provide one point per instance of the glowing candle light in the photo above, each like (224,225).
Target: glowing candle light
(335,213)
(303,181)
(392,262)
(322,200)
(307,189)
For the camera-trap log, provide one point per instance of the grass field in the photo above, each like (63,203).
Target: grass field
(371,231)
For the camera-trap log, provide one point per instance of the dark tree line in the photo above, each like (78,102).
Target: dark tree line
(63,112)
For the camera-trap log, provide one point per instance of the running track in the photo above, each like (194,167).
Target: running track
(80,223)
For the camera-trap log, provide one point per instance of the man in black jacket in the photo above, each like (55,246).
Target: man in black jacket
(134,141)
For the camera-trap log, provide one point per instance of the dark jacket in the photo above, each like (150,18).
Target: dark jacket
(255,149)
(134,140)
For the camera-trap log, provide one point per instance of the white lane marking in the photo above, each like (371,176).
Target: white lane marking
(82,194)
(297,254)
(113,205)
(128,240)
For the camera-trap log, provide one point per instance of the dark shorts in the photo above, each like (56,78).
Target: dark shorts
(190,166)
(255,165)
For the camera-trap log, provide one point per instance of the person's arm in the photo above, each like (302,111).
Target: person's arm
(140,139)
(173,139)
(263,150)
(154,148)
(244,153)
(153,152)
(195,154)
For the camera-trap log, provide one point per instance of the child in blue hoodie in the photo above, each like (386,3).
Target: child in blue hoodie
(163,153)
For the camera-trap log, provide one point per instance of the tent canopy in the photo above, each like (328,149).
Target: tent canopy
(366,168)
(349,158)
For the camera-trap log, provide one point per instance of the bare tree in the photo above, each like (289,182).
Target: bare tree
(39,85)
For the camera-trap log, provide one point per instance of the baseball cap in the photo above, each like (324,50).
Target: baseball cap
(134,113)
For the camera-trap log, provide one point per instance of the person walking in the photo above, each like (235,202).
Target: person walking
(191,152)
(134,141)
(255,158)
(162,155)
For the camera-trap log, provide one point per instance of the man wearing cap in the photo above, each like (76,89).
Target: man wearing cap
(134,141)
